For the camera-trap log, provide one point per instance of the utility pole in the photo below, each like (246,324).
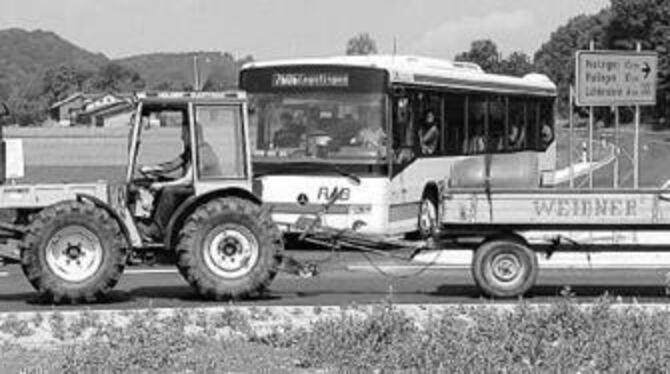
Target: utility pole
(196,74)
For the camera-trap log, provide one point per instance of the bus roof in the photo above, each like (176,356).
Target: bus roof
(428,71)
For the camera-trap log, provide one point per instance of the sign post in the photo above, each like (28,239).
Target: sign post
(615,182)
(571,126)
(617,78)
(636,142)
(591,48)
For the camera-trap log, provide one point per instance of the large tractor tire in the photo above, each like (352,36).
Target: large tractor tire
(504,268)
(73,252)
(229,248)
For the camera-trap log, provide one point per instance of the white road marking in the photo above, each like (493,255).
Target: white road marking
(566,267)
(150,271)
(406,267)
(4,273)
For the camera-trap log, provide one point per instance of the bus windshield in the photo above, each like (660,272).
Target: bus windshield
(303,127)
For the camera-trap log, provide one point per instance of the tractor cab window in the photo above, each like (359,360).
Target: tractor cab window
(220,142)
(164,130)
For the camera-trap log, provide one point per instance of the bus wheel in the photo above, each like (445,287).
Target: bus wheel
(427,220)
(504,268)
(229,248)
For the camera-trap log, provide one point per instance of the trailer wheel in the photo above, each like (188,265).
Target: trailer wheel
(504,268)
(229,248)
(428,211)
(73,252)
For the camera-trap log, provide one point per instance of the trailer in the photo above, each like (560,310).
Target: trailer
(508,228)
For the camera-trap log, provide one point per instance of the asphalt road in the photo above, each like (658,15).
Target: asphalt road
(338,285)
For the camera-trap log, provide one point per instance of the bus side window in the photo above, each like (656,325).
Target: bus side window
(546,125)
(496,133)
(534,126)
(429,126)
(475,142)
(403,131)
(517,126)
(454,124)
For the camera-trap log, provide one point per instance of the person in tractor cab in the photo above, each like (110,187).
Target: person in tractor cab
(169,193)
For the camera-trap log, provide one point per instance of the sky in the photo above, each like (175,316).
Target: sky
(270,29)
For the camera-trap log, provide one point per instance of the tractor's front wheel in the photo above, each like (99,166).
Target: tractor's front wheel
(229,248)
(73,252)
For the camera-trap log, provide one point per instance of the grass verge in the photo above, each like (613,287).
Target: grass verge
(561,337)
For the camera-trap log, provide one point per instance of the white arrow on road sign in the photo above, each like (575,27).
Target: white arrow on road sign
(606,78)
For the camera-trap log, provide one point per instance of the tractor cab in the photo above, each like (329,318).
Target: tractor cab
(184,145)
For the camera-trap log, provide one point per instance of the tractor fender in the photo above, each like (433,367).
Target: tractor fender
(112,212)
(190,204)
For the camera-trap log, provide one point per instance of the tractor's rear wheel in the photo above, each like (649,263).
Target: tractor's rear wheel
(229,248)
(73,252)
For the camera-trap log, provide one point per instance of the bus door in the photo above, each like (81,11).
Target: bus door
(417,138)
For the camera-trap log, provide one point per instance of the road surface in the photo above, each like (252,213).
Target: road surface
(338,284)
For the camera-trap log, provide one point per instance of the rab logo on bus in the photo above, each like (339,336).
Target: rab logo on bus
(326,193)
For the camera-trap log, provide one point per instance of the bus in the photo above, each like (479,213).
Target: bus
(389,134)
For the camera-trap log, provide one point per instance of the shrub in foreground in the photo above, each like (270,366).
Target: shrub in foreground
(563,337)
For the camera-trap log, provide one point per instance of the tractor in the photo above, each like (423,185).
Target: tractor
(200,209)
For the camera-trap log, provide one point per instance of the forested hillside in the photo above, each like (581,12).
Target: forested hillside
(38,68)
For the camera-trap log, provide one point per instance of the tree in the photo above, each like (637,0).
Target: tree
(646,22)
(361,44)
(484,53)
(26,112)
(517,64)
(556,57)
(63,80)
(117,78)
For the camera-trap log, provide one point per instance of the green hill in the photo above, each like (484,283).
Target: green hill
(175,70)
(39,67)
(26,54)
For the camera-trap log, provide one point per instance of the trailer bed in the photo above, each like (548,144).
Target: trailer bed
(567,208)
(22,196)
(577,219)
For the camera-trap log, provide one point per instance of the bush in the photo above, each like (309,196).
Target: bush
(561,338)
(145,344)
(382,338)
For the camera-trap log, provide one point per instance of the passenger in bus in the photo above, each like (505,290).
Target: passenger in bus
(547,134)
(475,144)
(515,137)
(372,136)
(343,130)
(429,134)
(290,133)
